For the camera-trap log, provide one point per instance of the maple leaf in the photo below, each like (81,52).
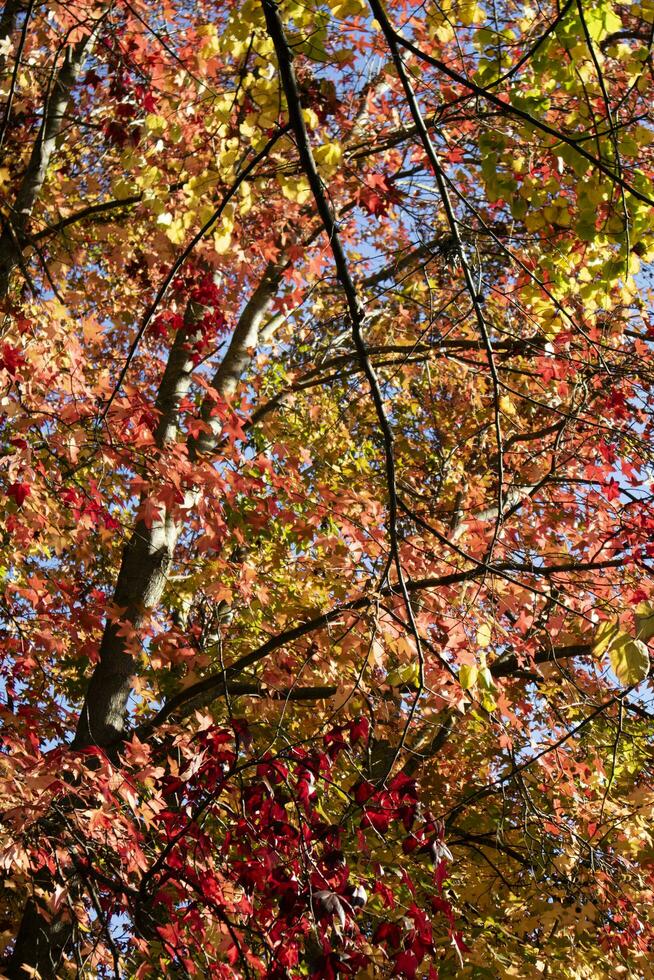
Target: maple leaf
(407,583)
(19,492)
(150,511)
(11,359)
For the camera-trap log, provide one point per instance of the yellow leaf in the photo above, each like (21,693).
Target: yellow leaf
(221,242)
(605,635)
(643,135)
(408,675)
(328,156)
(175,232)
(295,189)
(348,8)
(222,238)
(155,124)
(483,635)
(644,621)
(629,659)
(445,33)
(471,13)
(534,221)
(506,405)
(121,189)
(245,193)
(310,118)
(467,676)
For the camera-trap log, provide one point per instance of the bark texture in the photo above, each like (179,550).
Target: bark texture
(148,555)
(40,945)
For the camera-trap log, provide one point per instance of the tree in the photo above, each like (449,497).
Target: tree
(326,496)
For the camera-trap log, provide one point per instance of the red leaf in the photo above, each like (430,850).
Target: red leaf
(359,729)
(375,818)
(363,792)
(406,964)
(11,359)
(20,492)
(150,511)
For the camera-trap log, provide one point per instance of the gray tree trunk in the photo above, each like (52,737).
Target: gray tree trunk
(147,557)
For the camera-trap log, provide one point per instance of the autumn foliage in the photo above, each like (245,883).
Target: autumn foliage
(326,503)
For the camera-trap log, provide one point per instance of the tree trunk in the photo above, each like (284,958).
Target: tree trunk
(142,578)
(40,943)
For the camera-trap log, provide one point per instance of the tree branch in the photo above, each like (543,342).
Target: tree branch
(504,106)
(202,693)
(12,240)
(238,354)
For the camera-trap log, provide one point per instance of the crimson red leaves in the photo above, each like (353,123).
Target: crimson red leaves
(19,492)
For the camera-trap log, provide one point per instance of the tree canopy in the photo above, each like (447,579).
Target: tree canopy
(326,497)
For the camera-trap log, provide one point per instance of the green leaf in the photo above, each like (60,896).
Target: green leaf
(488,702)
(629,659)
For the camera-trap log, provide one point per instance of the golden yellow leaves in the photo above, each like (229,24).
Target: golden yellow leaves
(556,213)
(296,188)
(154,124)
(122,189)
(477,677)
(343,9)
(222,236)
(604,636)
(443,19)
(174,227)
(480,680)
(470,13)
(406,676)
(178,229)
(644,617)
(507,408)
(644,10)
(468,676)
(199,205)
(211,46)
(328,157)
(629,659)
